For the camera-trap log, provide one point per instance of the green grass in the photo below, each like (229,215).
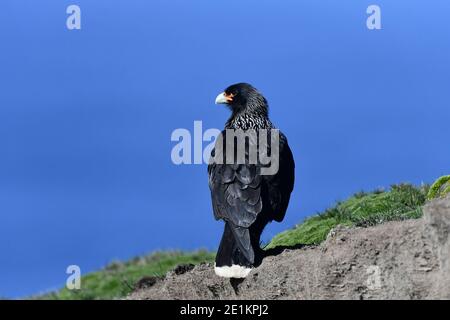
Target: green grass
(118,278)
(401,202)
(440,188)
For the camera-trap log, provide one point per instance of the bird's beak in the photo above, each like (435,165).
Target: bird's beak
(223,98)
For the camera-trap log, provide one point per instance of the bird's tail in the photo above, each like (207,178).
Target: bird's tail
(235,257)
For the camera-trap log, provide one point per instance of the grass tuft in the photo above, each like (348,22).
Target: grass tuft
(402,201)
(440,188)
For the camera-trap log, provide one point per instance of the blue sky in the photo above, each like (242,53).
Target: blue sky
(86,116)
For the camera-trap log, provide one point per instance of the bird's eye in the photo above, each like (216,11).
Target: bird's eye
(229,96)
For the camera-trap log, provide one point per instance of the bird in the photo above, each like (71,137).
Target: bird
(242,196)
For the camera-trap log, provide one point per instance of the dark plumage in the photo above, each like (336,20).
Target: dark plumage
(241,196)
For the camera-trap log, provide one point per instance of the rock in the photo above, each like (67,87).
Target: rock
(437,229)
(183,268)
(395,260)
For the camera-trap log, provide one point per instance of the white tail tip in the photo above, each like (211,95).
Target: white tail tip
(235,271)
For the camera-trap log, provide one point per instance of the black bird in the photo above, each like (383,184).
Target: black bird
(241,195)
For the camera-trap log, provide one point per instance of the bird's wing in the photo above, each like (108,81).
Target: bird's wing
(238,191)
(235,192)
(281,184)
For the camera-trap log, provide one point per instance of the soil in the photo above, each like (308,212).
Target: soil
(395,260)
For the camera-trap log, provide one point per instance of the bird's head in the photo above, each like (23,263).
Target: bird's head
(243,97)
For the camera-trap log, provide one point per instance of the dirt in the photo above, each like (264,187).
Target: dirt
(395,260)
